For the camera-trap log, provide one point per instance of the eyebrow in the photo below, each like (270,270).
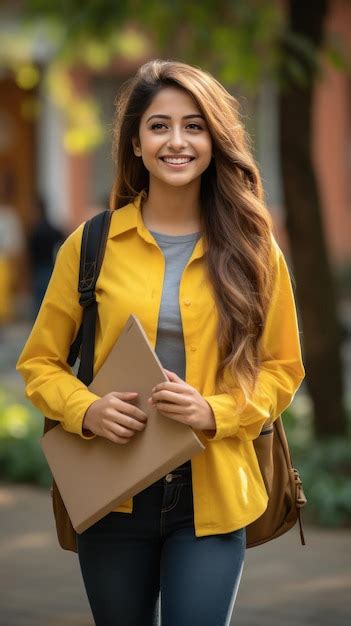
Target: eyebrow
(168,117)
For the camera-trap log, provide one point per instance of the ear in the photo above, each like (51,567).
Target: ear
(136,146)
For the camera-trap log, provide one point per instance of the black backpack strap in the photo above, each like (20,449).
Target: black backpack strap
(93,245)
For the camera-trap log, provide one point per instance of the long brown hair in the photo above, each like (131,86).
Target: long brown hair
(236,224)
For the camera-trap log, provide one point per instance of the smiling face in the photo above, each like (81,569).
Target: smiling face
(174,140)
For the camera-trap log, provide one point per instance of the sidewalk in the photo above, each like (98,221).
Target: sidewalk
(283,582)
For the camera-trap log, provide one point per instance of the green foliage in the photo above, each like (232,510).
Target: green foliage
(95,16)
(236,40)
(240,41)
(325,470)
(21,458)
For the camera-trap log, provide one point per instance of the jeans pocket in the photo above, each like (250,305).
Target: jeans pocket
(171,498)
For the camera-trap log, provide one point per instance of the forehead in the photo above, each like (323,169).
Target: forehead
(171,101)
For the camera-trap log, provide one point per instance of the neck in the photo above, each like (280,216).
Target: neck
(172,210)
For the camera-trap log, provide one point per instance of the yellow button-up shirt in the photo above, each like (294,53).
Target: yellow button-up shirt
(228,489)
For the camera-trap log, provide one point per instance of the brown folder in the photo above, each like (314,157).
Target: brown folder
(95,476)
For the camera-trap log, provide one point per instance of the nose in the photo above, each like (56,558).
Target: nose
(176,139)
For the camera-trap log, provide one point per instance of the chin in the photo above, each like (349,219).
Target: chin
(180,183)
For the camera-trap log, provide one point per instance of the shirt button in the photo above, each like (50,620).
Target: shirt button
(187,302)
(169,478)
(193,348)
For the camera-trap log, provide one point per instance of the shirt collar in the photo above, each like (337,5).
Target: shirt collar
(130,216)
(126,218)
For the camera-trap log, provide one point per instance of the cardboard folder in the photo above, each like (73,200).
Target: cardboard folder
(95,476)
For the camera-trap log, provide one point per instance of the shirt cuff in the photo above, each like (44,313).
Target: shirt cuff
(224,410)
(76,407)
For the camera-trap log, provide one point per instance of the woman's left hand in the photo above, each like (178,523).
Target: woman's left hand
(183,403)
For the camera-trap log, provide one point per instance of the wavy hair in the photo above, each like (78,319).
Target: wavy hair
(236,224)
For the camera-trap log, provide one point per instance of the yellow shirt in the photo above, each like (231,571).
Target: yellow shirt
(228,489)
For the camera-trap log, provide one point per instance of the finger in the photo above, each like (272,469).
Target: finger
(130,409)
(125,421)
(124,394)
(120,431)
(169,386)
(116,438)
(172,376)
(169,375)
(170,396)
(111,436)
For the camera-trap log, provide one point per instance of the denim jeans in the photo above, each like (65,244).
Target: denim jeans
(128,559)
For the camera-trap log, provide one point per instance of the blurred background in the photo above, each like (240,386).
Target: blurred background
(289,64)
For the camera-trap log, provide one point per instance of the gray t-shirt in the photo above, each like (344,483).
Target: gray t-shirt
(169,348)
(177,250)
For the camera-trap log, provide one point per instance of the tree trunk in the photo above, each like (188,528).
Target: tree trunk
(315,288)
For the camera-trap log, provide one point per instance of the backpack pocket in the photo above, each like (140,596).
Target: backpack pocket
(263,445)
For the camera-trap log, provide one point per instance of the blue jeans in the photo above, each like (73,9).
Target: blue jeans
(127,559)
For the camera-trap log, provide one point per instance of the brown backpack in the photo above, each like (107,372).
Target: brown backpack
(281,479)
(283,485)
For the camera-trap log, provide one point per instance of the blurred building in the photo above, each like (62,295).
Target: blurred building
(32,152)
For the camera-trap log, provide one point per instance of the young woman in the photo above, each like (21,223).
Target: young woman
(191,253)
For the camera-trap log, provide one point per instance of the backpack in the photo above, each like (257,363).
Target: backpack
(281,479)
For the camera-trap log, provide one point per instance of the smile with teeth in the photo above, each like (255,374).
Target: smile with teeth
(176,160)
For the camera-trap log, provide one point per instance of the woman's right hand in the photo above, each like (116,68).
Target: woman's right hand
(114,418)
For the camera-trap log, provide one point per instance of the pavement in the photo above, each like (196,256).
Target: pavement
(283,582)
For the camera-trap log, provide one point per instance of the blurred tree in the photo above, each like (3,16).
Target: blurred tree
(241,41)
(315,285)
